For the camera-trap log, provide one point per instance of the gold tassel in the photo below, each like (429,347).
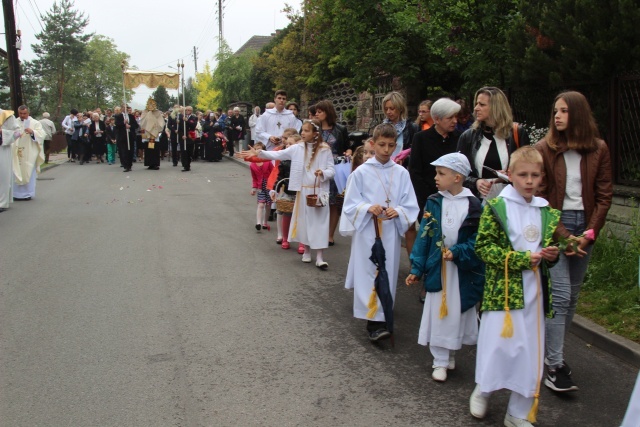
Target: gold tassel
(294,232)
(533,413)
(507,328)
(443,306)
(373,304)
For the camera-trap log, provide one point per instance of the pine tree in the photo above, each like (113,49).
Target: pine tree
(61,47)
(162,99)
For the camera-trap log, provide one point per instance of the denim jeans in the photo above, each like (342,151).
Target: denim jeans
(566,278)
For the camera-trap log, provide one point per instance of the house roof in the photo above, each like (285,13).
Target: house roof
(255,43)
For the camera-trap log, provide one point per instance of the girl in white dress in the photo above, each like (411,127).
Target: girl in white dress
(311,170)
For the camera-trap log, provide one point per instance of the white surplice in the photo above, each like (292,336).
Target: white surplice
(309,225)
(9,126)
(372,184)
(28,155)
(516,363)
(455,328)
(273,123)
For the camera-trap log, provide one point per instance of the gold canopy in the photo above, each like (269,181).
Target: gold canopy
(151,79)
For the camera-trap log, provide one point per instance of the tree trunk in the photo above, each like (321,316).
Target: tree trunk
(60,92)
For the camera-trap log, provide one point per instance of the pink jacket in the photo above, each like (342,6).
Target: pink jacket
(258,173)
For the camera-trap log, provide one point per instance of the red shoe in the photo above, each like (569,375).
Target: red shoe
(266,227)
(300,248)
(285,244)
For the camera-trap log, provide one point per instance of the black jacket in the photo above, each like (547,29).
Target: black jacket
(428,146)
(469,144)
(122,130)
(342,139)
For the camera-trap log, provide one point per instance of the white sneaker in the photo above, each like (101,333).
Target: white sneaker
(478,404)
(439,374)
(511,421)
(452,361)
(306,258)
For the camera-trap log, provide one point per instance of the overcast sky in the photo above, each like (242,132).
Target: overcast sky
(156,33)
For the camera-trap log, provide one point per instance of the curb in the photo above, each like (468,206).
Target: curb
(598,336)
(49,166)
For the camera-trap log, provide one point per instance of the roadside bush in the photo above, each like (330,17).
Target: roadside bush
(610,294)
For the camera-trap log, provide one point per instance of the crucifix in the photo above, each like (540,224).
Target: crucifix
(279,124)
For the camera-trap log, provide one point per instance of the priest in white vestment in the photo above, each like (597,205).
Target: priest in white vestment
(28,155)
(9,126)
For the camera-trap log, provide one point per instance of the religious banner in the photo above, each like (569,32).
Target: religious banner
(151,79)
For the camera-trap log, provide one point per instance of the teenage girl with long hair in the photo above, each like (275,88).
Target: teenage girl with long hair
(577,168)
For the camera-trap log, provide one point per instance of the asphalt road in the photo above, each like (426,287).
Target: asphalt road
(148,299)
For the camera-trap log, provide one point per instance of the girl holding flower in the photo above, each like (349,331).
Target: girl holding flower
(577,168)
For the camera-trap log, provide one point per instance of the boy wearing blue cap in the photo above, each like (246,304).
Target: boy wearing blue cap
(444,254)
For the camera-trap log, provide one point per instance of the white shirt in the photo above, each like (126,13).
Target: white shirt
(573,188)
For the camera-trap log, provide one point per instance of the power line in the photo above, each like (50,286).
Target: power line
(37,7)
(204,27)
(170,62)
(27,16)
(37,16)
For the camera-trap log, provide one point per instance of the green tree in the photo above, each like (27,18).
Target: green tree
(207,95)
(261,84)
(61,48)
(161,96)
(101,81)
(190,93)
(231,76)
(563,42)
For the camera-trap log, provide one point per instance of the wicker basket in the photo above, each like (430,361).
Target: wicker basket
(312,199)
(283,205)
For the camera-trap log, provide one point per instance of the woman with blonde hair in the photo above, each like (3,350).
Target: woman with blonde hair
(490,141)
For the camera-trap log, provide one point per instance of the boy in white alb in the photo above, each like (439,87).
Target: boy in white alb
(444,253)
(378,190)
(516,231)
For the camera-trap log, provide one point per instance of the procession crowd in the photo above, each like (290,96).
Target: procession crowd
(496,228)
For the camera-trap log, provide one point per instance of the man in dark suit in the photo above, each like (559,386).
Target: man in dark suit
(172,125)
(188,139)
(126,123)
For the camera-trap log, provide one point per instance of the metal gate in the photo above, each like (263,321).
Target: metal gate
(627,135)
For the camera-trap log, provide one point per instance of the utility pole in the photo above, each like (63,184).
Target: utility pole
(195,58)
(13,44)
(219,26)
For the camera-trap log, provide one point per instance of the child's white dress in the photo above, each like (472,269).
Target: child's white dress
(309,225)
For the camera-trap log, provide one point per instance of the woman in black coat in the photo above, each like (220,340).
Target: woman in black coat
(212,142)
(490,141)
(97,134)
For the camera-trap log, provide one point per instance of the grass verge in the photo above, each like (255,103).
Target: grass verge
(610,295)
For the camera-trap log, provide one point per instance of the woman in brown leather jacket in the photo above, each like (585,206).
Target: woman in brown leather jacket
(577,182)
